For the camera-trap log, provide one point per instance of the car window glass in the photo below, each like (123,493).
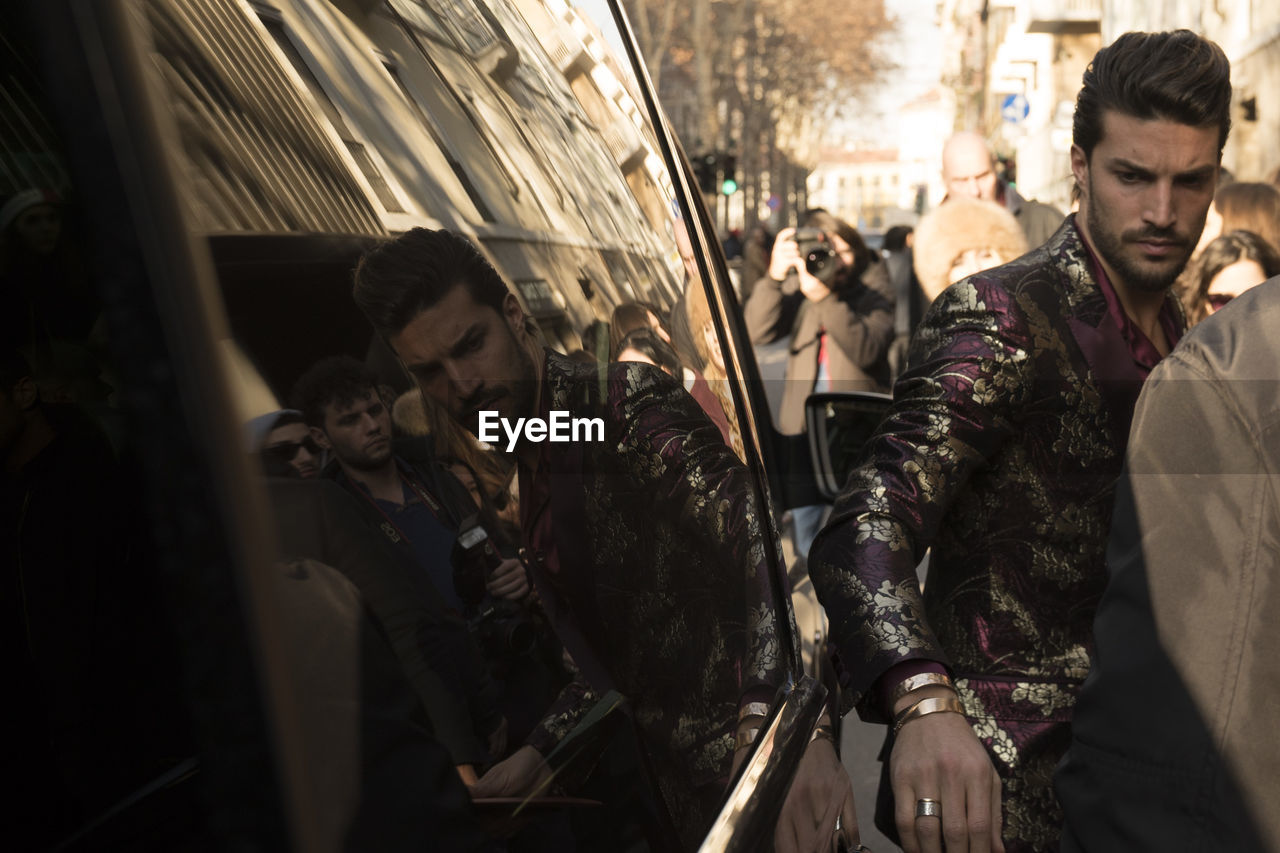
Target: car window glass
(119,609)
(304,132)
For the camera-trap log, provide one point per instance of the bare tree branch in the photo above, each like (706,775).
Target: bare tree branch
(760,78)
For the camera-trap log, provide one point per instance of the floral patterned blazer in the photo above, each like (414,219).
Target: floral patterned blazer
(659,587)
(1001,453)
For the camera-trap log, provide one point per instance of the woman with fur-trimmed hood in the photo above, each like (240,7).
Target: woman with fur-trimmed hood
(962,237)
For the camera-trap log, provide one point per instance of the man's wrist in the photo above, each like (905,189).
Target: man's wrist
(887,686)
(925,707)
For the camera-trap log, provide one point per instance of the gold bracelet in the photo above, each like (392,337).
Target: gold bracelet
(821,732)
(915,682)
(933,705)
(746,738)
(902,715)
(753,709)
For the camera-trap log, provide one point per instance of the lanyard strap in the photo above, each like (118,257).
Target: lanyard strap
(392,530)
(423,495)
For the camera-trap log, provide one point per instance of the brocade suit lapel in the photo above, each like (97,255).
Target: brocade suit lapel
(1113,371)
(1102,346)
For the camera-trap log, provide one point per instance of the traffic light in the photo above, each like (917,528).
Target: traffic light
(705,167)
(729,174)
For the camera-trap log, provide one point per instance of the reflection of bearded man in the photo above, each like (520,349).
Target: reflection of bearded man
(517,394)
(627,538)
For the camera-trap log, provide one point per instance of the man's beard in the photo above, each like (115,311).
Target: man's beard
(1111,248)
(520,393)
(363,460)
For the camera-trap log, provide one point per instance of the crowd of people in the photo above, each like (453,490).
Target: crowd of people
(1087,667)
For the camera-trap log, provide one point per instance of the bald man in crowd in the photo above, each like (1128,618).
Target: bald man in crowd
(969,169)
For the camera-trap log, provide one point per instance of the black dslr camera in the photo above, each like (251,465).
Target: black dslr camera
(501,626)
(819,256)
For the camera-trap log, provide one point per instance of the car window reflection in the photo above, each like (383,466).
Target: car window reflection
(304,135)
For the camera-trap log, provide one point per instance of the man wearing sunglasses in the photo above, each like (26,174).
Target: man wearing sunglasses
(288,448)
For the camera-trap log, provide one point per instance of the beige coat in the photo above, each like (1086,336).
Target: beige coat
(1175,737)
(857,319)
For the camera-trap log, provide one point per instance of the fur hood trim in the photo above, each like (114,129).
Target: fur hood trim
(953,228)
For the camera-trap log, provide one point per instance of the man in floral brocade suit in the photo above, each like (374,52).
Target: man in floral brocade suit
(646,546)
(1000,453)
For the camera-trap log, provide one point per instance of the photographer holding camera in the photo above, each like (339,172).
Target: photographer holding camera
(415,503)
(832,295)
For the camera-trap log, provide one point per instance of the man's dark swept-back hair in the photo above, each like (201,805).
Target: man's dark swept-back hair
(1176,76)
(397,280)
(339,381)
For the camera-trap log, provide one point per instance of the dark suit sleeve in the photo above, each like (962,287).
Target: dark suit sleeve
(384,782)
(438,655)
(573,703)
(952,412)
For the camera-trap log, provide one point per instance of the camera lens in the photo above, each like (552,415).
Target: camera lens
(520,637)
(817,259)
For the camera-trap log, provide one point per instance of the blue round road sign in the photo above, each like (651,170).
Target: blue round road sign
(1014,108)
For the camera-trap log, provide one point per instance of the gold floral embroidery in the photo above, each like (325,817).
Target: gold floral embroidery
(897,616)
(1075,663)
(963,298)
(985,726)
(870,486)
(928,473)
(1047,696)
(997,740)
(1032,816)
(762,657)
(672,538)
(937,427)
(992,389)
(881,529)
